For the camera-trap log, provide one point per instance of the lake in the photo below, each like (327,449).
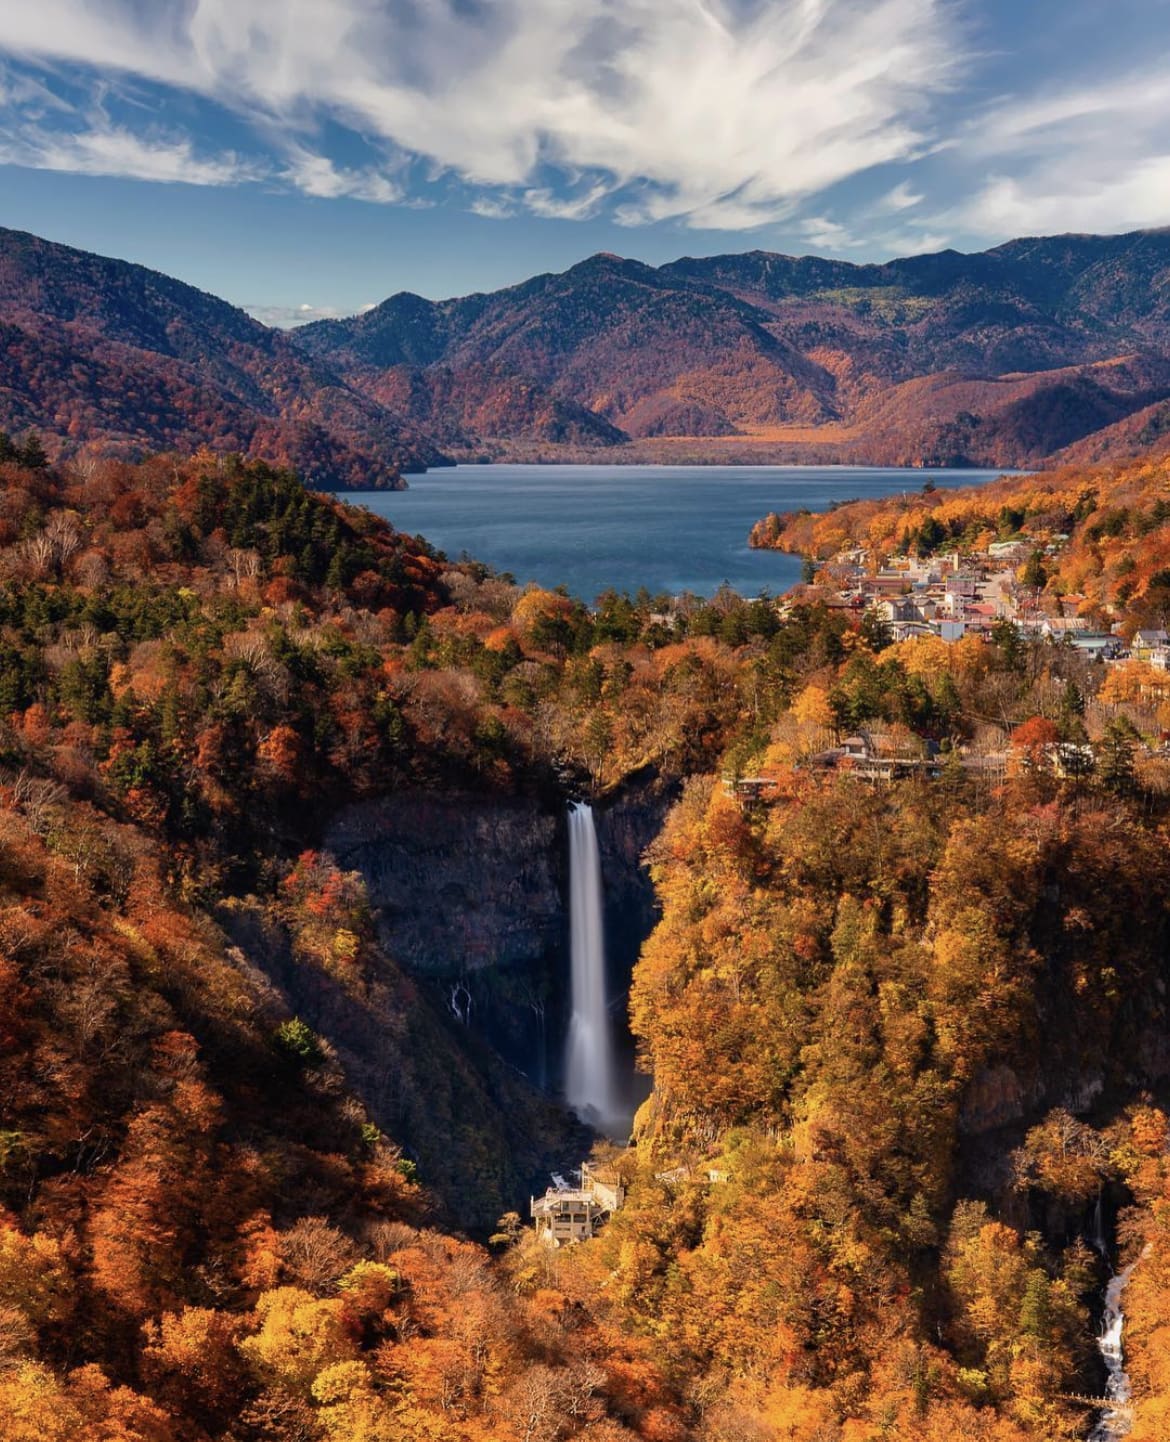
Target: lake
(668,528)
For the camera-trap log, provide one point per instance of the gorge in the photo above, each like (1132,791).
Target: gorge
(475,894)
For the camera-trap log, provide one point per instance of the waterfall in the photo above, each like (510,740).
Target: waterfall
(1100,1244)
(589,1074)
(1114,1425)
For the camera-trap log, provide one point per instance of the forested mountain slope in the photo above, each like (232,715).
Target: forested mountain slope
(1003,358)
(998,358)
(97,350)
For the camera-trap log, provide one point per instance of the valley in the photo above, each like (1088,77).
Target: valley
(584,721)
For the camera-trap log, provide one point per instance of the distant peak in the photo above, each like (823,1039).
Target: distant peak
(603,257)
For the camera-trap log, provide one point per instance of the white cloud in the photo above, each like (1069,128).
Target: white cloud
(1088,158)
(902,197)
(1135,197)
(550,206)
(33,96)
(492,208)
(827,234)
(707,111)
(285,317)
(317,175)
(112,151)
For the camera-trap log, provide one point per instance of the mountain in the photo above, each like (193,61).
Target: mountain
(1041,348)
(999,358)
(98,350)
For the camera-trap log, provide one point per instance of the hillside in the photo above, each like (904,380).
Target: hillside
(1001,358)
(99,351)
(1099,534)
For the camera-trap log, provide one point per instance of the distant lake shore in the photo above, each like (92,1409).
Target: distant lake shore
(668,528)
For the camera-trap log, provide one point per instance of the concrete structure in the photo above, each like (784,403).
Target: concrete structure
(573,1214)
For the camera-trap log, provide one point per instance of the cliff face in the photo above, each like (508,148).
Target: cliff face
(458,883)
(470,895)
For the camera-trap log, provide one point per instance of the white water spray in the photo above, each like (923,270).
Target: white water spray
(1114,1422)
(589,1076)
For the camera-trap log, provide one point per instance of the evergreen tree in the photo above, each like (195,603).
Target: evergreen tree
(1070,717)
(875,632)
(1034,573)
(33,454)
(1115,758)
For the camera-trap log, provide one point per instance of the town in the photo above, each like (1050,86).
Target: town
(994,594)
(957,594)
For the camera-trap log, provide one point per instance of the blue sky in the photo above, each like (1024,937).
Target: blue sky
(307,157)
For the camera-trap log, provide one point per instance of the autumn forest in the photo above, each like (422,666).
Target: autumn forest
(907,1037)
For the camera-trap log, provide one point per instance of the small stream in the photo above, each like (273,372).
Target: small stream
(1114,1424)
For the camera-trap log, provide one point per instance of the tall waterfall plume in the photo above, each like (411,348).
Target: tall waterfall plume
(589,1070)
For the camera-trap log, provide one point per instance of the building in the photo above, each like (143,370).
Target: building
(1145,643)
(750,788)
(872,757)
(573,1214)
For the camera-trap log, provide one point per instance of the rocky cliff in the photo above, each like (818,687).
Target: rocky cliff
(470,896)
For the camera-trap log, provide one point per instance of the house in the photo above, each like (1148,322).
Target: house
(1069,761)
(750,788)
(1145,643)
(1057,628)
(857,748)
(886,584)
(900,608)
(875,757)
(963,585)
(1101,645)
(906,630)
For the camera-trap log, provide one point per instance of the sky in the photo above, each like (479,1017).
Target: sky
(310,157)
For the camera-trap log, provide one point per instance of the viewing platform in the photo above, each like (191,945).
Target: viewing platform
(573,1214)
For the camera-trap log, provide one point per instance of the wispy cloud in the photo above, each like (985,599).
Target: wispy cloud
(492,207)
(550,206)
(828,234)
(711,114)
(902,197)
(1089,157)
(317,175)
(114,151)
(707,112)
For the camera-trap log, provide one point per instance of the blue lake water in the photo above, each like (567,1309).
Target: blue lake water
(668,528)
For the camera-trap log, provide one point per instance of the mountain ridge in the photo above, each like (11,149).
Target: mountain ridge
(755,349)
(1037,348)
(98,349)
